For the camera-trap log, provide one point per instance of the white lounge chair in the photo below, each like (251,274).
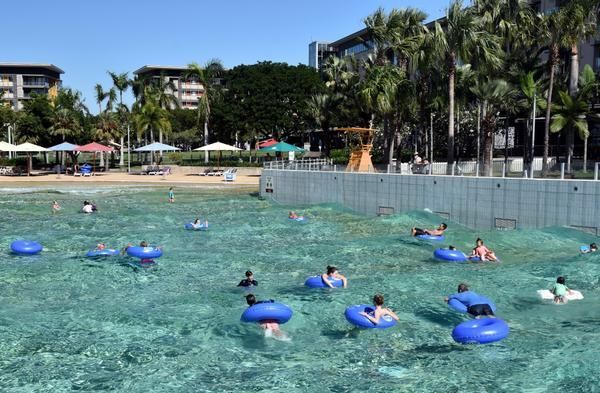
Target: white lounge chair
(230,174)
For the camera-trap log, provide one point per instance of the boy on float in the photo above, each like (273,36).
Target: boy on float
(270,326)
(432,232)
(380,311)
(332,273)
(560,290)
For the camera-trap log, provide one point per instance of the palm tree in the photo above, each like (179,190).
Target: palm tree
(460,38)
(107,129)
(101,95)
(121,83)
(579,19)
(65,123)
(206,76)
(151,117)
(496,95)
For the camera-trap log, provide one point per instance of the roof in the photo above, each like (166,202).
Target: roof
(351,37)
(50,67)
(147,68)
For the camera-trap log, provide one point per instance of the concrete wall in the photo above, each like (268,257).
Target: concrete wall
(476,202)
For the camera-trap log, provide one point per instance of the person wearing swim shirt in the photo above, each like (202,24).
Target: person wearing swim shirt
(477,305)
(87,207)
(432,232)
(171,195)
(249,281)
(380,311)
(332,274)
(592,248)
(560,290)
(270,326)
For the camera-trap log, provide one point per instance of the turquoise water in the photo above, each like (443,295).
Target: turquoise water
(68,323)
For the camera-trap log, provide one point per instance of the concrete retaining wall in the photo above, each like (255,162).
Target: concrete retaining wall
(476,202)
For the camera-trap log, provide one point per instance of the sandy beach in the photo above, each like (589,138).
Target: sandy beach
(181,177)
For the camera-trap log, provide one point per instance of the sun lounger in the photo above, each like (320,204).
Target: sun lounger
(205,172)
(230,174)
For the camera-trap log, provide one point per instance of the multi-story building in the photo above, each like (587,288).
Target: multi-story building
(361,45)
(187,91)
(18,81)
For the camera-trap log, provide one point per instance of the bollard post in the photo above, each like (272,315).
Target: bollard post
(562,170)
(596,171)
(504,169)
(388,168)
(525,175)
(453,168)
(477,170)
(335,168)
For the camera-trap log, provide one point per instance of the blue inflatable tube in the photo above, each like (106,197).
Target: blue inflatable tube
(480,331)
(191,227)
(267,311)
(25,247)
(449,255)
(102,253)
(437,238)
(460,307)
(144,252)
(318,282)
(584,249)
(353,316)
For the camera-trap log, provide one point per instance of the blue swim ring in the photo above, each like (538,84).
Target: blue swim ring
(480,331)
(584,249)
(191,227)
(317,282)
(25,247)
(267,311)
(353,316)
(456,305)
(144,252)
(107,252)
(447,255)
(437,238)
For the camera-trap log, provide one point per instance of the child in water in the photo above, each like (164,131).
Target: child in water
(560,290)
(55,206)
(592,248)
(270,326)
(249,281)
(171,195)
(380,311)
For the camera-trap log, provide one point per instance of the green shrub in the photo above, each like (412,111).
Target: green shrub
(340,156)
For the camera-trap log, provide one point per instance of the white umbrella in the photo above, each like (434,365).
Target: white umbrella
(217,146)
(156,146)
(6,146)
(29,148)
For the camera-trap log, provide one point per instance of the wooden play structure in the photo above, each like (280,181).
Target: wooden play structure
(360,141)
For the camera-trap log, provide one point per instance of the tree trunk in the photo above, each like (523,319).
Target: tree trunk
(451,75)
(206,140)
(391,143)
(121,162)
(552,63)
(488,132)
(573,81)
(585,146)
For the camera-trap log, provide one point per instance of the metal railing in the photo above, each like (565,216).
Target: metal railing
(305,164)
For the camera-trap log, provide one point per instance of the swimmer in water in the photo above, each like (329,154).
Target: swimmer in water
(249,281)
(171,195)
(55,206)
(270,326)
(380,311)
(332,274)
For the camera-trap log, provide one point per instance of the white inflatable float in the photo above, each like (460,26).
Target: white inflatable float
(547,295)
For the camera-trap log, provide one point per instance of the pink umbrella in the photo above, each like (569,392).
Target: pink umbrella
(94,147)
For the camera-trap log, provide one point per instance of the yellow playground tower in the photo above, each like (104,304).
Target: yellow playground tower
(360,141)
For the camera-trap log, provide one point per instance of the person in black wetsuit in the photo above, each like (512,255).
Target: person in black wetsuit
(248,281)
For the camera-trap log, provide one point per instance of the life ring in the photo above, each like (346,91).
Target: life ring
(584,249)
(456,305)
(572,295)
(318,282)
(144,252)
(447,255)
(353,316)
(102,253)
(192,227)
(25,247)
(437,238)
(480,331)
(268,311)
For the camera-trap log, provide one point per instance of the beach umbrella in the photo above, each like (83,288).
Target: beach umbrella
(94,147)
(217,146)
(29,148)
(282,147)
(157,146)
(267,143)
(4,146)
(63,147)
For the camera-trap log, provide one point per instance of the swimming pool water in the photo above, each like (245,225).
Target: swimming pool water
(69,323)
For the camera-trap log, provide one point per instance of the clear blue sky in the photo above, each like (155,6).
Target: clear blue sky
(87,38)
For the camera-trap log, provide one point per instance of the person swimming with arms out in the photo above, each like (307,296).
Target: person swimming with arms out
(592,248)
(197,224)
(380,311)
(271,327)
(249,281)
(332,274)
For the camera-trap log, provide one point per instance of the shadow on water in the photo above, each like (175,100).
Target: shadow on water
(445,318)
(339,334)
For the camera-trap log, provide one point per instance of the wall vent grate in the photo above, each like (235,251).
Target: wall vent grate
(445,215)
(505,223)
(590,230)
(385,211)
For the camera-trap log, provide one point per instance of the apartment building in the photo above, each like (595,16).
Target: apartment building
(18,81)
(360,44)
(187,91)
